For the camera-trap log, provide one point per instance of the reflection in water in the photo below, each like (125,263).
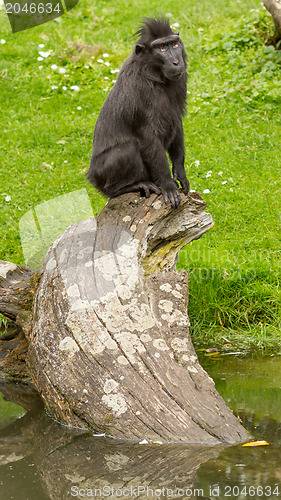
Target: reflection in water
(69,462)
(244,472)
(40,459)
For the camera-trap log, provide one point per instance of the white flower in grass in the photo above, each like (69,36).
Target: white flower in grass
(2,41)
(206,191)
(197,163)
(114,71)
(75,87)
(41,45)
(107,63)
(65,161)
(220,173)
(105,55)
(54,87)
(39,58)
(86,66)
(62,71)
(64,88)
(8,198)
(175,26)
(224,182)
(79,108)
(208,174)
(54,67)
(100,61)
(44,54)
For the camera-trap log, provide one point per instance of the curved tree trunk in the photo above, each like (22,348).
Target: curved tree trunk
(109,346)
(274,7)
(76,464)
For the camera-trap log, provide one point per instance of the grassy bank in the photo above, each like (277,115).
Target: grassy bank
(233,139)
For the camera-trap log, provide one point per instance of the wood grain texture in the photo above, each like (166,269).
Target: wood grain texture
(109,348)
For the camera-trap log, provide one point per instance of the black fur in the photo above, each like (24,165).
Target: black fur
(141,119)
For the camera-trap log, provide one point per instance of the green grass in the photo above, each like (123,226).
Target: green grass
(232,128)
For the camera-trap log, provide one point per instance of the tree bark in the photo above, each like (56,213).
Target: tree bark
(274,7)
(17,288)
(72,462)
(109,346)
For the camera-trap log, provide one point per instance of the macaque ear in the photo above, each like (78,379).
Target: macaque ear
(177,33)
(139,48)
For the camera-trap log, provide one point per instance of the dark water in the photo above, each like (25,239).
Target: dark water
(41,460)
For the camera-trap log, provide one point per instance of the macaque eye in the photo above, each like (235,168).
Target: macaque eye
(175,45)
(163,48)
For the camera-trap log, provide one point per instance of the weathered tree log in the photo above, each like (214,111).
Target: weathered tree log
(274,7)
(74,462)
(17,288)
(109,346)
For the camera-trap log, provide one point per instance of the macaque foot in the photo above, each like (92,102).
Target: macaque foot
(148,188)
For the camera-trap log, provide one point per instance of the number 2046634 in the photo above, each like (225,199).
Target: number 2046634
(252,491)
(33,8)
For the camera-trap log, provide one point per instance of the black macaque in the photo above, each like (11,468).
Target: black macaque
(141,119)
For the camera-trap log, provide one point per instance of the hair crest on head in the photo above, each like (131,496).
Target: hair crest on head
(151,29)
